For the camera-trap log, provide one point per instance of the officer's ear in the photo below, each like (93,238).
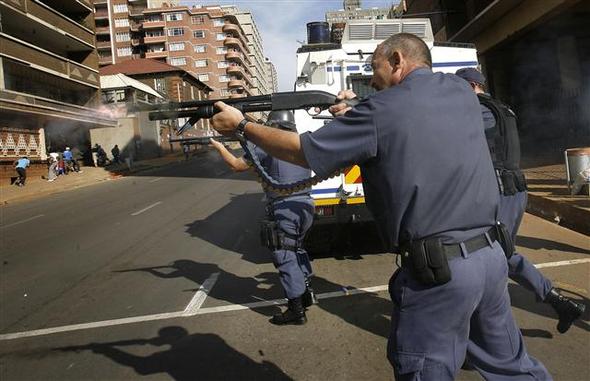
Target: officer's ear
(395,60)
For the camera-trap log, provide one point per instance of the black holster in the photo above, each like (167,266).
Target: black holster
(505,239)
(427,261)
(512,182)
(269,234)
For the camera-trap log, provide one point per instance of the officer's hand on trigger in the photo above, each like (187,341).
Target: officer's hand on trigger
(227,119)
(341,108)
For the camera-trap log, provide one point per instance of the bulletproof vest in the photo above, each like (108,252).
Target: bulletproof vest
(504,145)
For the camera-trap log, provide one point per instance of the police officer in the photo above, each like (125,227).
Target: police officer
(503,142)
(288,218)
(431,188)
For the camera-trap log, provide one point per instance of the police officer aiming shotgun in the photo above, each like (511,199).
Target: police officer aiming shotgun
(288,218)
(432,190)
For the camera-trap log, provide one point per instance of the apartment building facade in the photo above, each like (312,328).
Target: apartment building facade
(208,42)
(49,82)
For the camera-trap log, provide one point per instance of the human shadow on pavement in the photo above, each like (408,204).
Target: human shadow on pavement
(189,357)
(234,227)
(368,311)
(535,243)
(525,300)
(228,287)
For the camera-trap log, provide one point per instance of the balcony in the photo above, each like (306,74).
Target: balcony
(153,24)
(154,40)
(238,57)
(106,60)
(44,59)
(35,10)
(103,30)
(101,2)
(239,71)
(136,11)
(135,26)
(102,45)
(233,83)
(237,95)
(231,41)
(101,15)
(160,54)
(236,32)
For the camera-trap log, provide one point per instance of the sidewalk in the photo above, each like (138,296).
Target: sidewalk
(38,187)
(549,198)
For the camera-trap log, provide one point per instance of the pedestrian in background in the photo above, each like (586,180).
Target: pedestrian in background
(68,160)
(186,149)
(21,170)
(52,170)
(116,154)
(430,185)
(504,145)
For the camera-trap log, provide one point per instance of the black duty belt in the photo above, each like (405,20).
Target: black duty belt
(471,245)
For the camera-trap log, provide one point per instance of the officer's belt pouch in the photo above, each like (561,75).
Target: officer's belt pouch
(427,261)
(505,239)
(269,234)
(509,183)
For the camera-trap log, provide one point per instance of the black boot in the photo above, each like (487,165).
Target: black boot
(567,310)
(295,314)
(308,296)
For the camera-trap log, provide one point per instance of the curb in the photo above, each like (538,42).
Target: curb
(568,216)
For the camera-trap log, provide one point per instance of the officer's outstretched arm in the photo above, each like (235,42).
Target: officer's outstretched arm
(235,163)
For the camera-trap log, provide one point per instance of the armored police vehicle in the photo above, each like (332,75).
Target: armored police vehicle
(332,63)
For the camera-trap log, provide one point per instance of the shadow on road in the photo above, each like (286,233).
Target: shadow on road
(540,243)
(190,357)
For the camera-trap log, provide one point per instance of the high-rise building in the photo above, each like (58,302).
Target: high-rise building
(273,79)
(49,82)
(352,11)
(220,45)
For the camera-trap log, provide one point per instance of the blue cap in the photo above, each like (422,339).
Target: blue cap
(471,74)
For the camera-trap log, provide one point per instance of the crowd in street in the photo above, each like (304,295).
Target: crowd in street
(63,163)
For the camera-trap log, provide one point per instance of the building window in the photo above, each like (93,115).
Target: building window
(176,32)
(221,50)
(200,63)
(121,37)
(224,78)
(176,46)
(120,8)
(203,77)
(178,61)
(222,64)
(174,17)
(220,36)
(218,22)
(122,52)
(224,92)
(160,85)
(153,18)
(121,23)
(197,19)
(199,34)
(200,48)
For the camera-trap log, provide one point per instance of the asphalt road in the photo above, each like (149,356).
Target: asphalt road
(160,276)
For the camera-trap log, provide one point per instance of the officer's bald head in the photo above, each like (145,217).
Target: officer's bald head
(413,49)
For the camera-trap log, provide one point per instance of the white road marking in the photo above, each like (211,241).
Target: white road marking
(562,263)
(154,180)
(197,301)
(193,308)
(147,208)
(23,221)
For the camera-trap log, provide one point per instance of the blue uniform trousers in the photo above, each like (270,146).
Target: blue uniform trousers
(435,328)
(520,270)
(294,217)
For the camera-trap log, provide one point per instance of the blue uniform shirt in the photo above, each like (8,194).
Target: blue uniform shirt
(282,171)
(423,155)
(22,163)
(67,155)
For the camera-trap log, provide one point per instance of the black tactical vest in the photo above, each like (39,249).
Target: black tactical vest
(504,146)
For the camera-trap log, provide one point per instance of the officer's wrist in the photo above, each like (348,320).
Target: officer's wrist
(240,130)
